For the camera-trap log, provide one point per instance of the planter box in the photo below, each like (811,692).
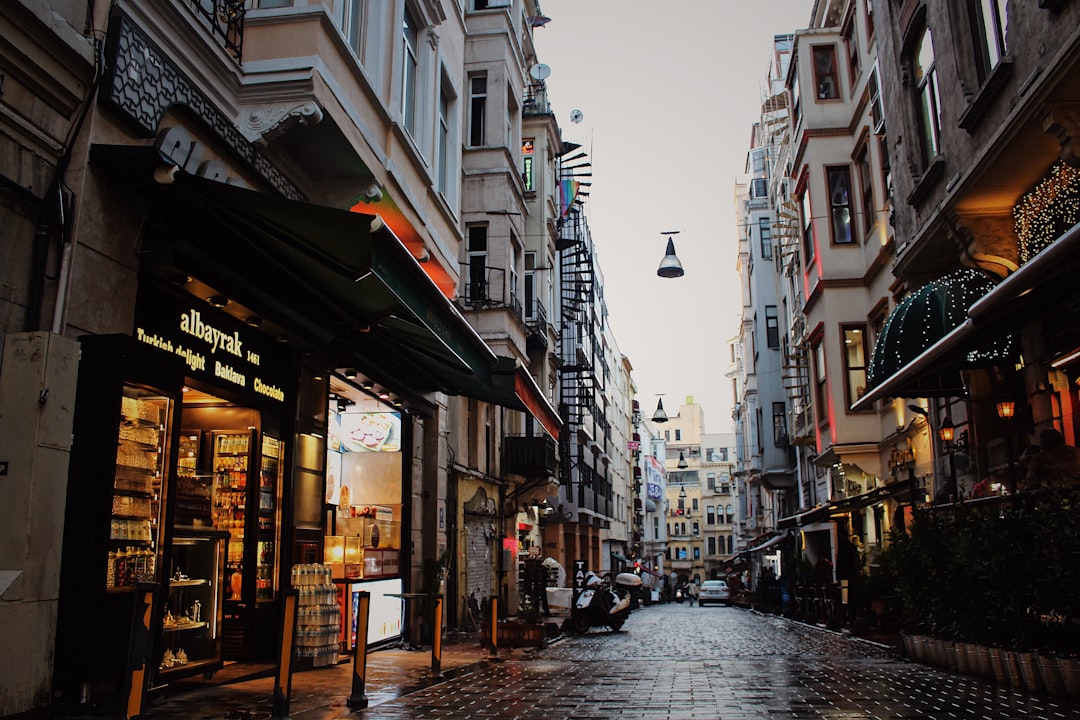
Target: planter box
(515,634)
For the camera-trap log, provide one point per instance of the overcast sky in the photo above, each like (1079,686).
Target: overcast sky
(668,92)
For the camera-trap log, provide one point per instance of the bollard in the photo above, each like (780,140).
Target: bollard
(357,700)
(286,648)
(494,627)
(139,647)
(436,638)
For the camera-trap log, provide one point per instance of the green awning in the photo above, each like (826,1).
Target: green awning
(922,319)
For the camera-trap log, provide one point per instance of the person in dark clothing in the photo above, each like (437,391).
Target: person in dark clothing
(536,584)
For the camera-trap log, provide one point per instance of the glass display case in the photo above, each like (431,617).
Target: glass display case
(192,497)
(135,520)
(230,501)
(266,581)
(191,637)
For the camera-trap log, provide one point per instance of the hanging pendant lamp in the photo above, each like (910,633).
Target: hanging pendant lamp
(670,267)
(660,416)
(682,461)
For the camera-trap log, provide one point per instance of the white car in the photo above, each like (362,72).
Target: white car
(714,591)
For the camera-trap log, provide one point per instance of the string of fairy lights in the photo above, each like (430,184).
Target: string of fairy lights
(1052,207)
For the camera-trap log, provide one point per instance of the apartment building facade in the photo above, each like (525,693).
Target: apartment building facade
(978,100)
(250,237)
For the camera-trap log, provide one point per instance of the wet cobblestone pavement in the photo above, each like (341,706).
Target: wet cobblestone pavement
(669,662)
(675,662)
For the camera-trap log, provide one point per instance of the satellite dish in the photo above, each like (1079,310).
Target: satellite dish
(540,71)
(576,116)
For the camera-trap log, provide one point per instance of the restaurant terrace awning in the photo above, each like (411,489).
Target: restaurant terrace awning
(335,273)
(921,319)
(1043,286)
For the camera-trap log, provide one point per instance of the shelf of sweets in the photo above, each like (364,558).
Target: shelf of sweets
(125,529)
(125,505)
(130,565)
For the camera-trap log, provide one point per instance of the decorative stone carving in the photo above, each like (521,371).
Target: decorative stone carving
(263,124)
(1062,120)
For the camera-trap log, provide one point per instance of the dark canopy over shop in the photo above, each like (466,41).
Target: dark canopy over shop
(342,278)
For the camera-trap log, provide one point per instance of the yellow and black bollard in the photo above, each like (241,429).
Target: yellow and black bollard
(436,638)
(286,648)
(140,644)
(357,700)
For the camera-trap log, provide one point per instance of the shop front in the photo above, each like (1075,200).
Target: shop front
(178,486)
(263,416)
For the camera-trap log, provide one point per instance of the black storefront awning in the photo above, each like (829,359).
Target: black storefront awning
(1044,286)
(776,539)
(341,278)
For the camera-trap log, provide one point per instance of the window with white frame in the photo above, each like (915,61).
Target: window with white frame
(530,286)
(855,361)
(820,378)
(710,515)
(877,110)
(772,327)
(851,42)
(807,228)
(351,17)
(989,22)
(477,109)
(477,290)
(839,180)
(443,160)
(779,423)
(765,236)
(410,70)
(866,184)
(927,98)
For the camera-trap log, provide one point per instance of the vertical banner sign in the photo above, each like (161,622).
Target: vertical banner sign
(579,577)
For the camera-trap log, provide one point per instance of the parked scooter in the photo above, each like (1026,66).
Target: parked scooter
(603,604)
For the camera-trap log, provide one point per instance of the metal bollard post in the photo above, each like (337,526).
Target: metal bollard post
(139,647)
(357,700)
(286,649)
(494,627)
(436,638)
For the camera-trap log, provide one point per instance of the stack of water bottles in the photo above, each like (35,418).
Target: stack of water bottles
(318,624)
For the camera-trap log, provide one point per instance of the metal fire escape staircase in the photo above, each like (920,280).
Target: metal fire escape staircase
(577,373)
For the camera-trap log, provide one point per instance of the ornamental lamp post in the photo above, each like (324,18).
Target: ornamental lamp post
(947,432)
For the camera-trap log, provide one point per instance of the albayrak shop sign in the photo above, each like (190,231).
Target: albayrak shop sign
(216,347)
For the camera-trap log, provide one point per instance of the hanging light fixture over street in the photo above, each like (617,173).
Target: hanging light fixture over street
(660,416)
(682,462)
(670,267)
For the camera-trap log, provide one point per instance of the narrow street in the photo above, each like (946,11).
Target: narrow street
(679,662)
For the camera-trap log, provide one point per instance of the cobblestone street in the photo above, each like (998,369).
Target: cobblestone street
(679,662)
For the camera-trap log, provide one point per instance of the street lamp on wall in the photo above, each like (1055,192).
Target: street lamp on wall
(947,433)
(1006,409)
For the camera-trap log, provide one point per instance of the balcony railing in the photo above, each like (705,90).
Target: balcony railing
(533,456)
(225,20)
